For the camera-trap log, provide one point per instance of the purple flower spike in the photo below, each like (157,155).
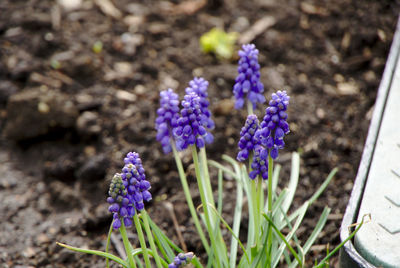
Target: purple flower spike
(260,163)
(199,86)
(167,119)
(247,83)
(181,260)
(134,176)
(191,125)
(119,200)
(274,125)
(248,141)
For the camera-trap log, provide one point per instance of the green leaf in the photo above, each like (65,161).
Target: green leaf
(323,186)
(236,222)
(317,230)
(165,238)
(108,242)
(163,245)
(138,251)
(246,183)
(299,219)
(224,169)
(315,195)
(278,202)
(138,261)
(294,179)
(96,252)
(285,241)
(230,230)
(275,179)
(359,225)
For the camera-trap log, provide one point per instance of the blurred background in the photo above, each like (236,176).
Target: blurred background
(79,88)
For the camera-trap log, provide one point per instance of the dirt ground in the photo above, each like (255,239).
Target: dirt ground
(71,109)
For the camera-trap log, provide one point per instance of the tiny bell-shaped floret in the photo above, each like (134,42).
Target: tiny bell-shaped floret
(248,140)
(167,118)
(181,260)
(247,83)
(274,125)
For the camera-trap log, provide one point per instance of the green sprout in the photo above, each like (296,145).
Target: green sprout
(97,47)
(219,42)
(55,64)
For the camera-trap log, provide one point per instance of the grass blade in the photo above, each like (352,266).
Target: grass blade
(323,186)
(294,179)
(359,225)
(231,231)
(108,242)
(236,223)
(96,252)
(278,254)
(284,239)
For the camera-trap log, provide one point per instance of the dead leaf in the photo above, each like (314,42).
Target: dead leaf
(108,8)
(313,10)
(256,29)
(348,88)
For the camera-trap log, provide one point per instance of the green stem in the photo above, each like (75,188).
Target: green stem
(108,243)
(150,238)
(204,163)
(249,107)
(127,245)
(141,240)
(260,206)
(256,212)
(270,171)
(189,200)
(260,195)
(204,200)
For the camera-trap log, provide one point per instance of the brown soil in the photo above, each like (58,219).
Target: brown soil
(55,167)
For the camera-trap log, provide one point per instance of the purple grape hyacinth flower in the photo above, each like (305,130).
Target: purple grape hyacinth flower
(247,83)
(260,163)
(181,260)
(168,115)
(191,125)
(138,187)
(274,125)
(199,86)
(248,141)
(120,202)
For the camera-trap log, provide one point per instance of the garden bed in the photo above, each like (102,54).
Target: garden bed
(56,166)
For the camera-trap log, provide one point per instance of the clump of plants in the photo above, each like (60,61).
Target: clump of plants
(187,125)
(219,42)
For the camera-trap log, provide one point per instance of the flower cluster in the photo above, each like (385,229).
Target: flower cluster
(248,140)
(247,83)
(190,129)
(267,138)
(138,187)
(260,163)
(120,202)
(274,125)
(128,190)
(167,119)
(190,126)
(181,260)
(199,86)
